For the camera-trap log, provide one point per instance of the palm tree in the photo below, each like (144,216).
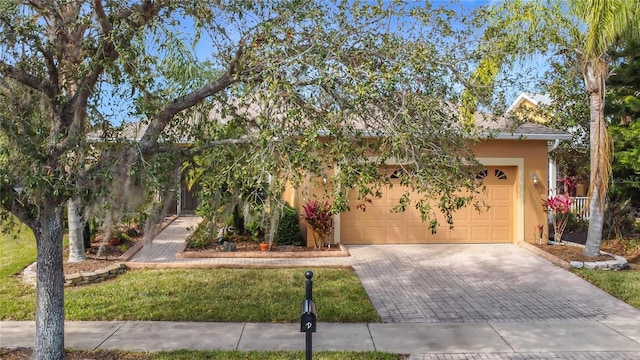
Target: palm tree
(607,22)
(519,28)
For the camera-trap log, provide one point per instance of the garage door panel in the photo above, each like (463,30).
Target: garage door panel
(459,234)
(501,214)
(379,225)
(485,215)
(443,234)
(409,234)
(480,233)
(362,234)
(501,232)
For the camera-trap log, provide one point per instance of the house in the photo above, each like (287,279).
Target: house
(530,101)
(515,175)
(186,201)
(557,174)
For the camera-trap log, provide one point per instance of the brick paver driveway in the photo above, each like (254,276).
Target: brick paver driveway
(477,283)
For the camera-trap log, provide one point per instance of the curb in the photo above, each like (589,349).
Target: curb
(545,255)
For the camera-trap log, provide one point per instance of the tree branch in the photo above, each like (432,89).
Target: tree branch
(162,119)
(26,79)
(9,201)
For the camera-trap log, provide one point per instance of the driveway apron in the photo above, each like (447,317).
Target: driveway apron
(477,283)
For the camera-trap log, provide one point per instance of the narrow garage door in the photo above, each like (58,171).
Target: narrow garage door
(378,225)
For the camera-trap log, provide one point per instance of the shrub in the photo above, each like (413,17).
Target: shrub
(288,231)
(618,218)
(201,237)
(319,217)
(576,223)
(235,238)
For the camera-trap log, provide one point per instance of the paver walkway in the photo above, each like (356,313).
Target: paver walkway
(162,252)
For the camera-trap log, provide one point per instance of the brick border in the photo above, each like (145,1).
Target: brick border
(341,252)
(617,264)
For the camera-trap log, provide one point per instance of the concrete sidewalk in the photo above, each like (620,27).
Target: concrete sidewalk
(572,340)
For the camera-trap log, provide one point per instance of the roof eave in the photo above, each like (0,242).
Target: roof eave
(515,136)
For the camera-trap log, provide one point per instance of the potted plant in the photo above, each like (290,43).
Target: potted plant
(257,232)
(319,217)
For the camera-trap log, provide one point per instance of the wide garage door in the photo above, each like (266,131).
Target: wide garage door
(378,225)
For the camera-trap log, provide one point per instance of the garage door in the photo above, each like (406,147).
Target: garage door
(378,225)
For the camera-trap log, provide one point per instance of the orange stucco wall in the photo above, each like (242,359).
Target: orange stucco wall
(534,154)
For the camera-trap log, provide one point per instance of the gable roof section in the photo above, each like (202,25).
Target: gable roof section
(535,99)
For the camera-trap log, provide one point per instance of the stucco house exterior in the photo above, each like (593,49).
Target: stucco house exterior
(515,175)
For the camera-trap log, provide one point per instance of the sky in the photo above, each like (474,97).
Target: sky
(118,110)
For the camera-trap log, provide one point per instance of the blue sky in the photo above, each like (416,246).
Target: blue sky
(203,50)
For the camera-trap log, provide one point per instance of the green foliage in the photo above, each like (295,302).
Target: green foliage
(285,91)
(123,236)
(201,237)
(288,232)
(575,222)
(623,105)
(241,238)
(619,218)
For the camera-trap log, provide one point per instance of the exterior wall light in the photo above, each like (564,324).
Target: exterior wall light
(534,179)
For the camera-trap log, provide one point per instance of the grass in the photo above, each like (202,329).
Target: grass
(226,295)
(17,250)
(275,355)
(227,355)
(625,285)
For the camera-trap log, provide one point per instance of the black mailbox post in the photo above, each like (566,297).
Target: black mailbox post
(308,315)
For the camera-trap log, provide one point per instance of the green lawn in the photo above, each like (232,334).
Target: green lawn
(228,295)
(274,355)
(226,355)
(17,250)
(625,285)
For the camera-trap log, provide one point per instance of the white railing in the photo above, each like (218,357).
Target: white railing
(580,206)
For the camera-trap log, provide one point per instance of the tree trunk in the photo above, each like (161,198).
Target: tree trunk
(596,223)
(595,74)
(76,228)
(49,341)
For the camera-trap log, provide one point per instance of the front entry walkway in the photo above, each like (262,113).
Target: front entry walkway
(477,283)
(161,253)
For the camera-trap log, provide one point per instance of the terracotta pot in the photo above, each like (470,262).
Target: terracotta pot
(264,246)
(114,241)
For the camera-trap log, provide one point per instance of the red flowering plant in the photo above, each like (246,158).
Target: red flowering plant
(560,206)
(318,216)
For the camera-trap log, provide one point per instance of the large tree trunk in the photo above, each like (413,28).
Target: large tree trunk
(76,228)
(595,74)
(49,341)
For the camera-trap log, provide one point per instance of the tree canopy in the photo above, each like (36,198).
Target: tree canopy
(517,29)
(283,87)
(623,106)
